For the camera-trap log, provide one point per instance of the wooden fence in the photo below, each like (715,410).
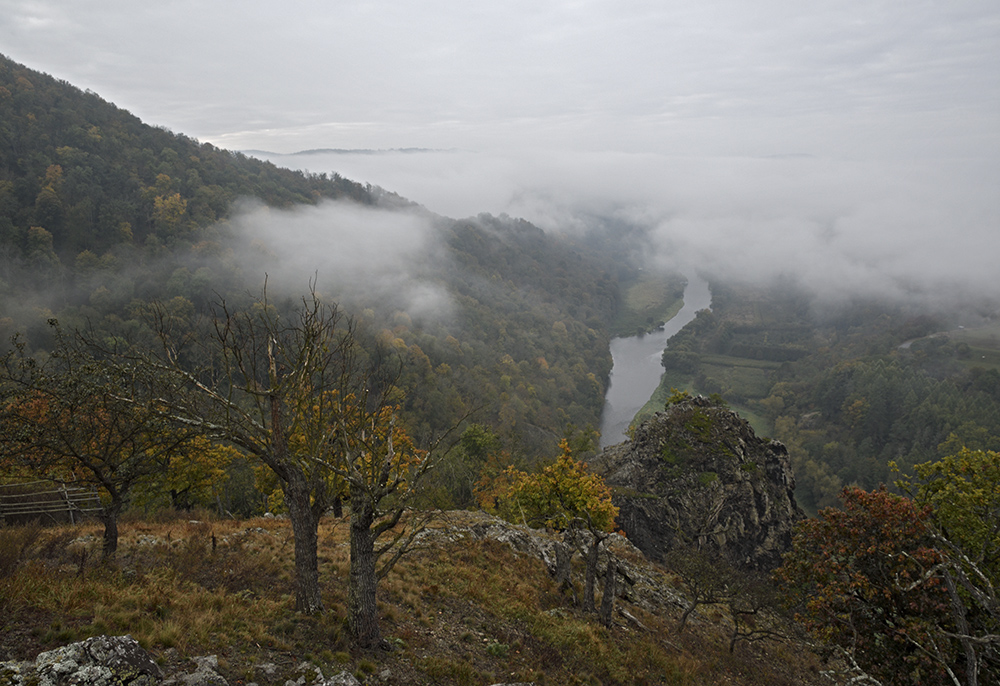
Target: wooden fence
(45,501)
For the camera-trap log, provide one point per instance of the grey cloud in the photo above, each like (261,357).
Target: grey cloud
(677,117)
(715,77)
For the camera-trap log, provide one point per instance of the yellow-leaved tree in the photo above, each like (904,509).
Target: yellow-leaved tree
(193,477)
(565,496)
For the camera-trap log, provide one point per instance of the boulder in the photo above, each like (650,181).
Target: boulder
(121,661)
(205,674)
(98,661)
(697,476)
(311,675)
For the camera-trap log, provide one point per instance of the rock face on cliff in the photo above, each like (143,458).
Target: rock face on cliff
(696,475)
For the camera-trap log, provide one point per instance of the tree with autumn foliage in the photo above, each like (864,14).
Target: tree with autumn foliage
(313,399)
(73,419)
(192,478)
(356,444)
(962,492)
(878,579)
(564,496)
(382,470)
(271,384)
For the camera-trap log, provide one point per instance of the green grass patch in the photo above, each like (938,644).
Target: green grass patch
(742,382)
(986,337)
(731,361)
(761,425)
(987,358)
(649,303)
(668,382)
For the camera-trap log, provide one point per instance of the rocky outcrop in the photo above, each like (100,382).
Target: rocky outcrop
(638,583)
(206,673)
(121,661)
(98,661)
(696,475)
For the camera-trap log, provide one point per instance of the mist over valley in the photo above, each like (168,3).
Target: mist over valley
(921,230)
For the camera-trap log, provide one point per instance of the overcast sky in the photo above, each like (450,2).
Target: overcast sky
(844,140)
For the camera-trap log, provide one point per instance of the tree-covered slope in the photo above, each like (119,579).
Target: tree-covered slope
(77,172)
(849,387)
(102,214)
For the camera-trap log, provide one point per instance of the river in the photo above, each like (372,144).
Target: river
(636,369)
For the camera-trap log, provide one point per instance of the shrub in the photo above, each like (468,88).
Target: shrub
(14,544)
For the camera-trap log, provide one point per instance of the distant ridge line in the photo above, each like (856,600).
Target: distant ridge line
(348,151)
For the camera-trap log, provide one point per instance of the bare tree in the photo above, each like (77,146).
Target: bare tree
(273,385)
(705,577)
(312,400)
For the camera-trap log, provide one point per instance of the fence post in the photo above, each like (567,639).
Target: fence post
(69,505)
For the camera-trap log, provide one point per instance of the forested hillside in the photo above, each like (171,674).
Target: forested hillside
(92,177)
(102,215)
(850,387)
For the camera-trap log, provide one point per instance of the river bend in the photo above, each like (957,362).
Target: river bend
(636,369)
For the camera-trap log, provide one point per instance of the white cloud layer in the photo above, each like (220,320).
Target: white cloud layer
(841,227)
(713,77)
(851,143)
(353,251)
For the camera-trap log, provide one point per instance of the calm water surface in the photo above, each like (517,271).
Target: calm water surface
(637,370)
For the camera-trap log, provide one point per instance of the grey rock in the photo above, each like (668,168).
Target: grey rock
(697,475)
(98,661)
(267,670)
(205,673)
(342,679)
(310,673)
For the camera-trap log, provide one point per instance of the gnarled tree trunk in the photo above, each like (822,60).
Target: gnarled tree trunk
(564,568)
(304,527)
(608,601)
(110,519)
(362,606)
(588,588)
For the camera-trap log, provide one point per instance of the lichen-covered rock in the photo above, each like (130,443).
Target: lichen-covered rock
(311,675)
(342,679)
(205,674)
(98,661)
(697,475)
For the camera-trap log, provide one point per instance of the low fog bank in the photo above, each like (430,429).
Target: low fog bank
(915,229)
(362,255)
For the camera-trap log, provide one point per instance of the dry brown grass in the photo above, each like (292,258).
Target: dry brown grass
(470,612)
